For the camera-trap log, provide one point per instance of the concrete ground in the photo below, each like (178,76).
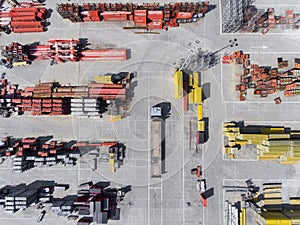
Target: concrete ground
(173,199)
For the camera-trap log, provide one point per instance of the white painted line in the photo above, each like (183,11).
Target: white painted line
(221,18)
(155,188)
(149,157)
(260,34)
(255,102)
(222,90)
(244,160)
(288,53)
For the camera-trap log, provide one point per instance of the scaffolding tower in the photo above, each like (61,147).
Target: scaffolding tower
(233,14)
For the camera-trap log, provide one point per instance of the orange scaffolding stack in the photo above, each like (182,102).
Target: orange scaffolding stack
(265,80)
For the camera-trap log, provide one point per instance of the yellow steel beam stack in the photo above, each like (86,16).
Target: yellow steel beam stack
(112,162)
(243,217)
(231,132)
(196,80)
(273,218)
(103,79)
(272,194)
(178,82)
(295,201)
(272,130)
(195,92)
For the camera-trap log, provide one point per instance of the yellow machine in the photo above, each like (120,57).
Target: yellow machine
(115,118)
(23,63)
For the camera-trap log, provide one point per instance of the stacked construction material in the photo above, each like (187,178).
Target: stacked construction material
(5,19)
(70,92)
(111,152)
(188,87)
(272,143)
(97,203)
(15,52)
(27,19)
(87,107)
(60,51)
(20,199)
(51,107)
(265,79)
(31,152)
(27,153)
(14,198)
(272,194)
(107,91)
(148,15)
(265,19)
(104,55)
(53,99)
(64,206)
(23,18)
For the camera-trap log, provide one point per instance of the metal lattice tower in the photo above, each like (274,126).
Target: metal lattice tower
(233,14)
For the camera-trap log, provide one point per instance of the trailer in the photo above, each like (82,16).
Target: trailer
(157,138)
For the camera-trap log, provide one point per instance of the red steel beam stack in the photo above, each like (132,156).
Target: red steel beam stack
(115,15)
(27,19)
(42,101)
(107,91)
(40,52)
(104,55)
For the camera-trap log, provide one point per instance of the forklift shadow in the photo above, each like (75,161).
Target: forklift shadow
(128,54)
(133,85)
(49,13)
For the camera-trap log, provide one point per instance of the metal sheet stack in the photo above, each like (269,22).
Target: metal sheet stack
(85,107)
